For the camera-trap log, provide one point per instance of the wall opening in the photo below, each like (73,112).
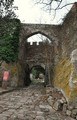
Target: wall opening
(38,38)
(36,49)
(37,74)
(27,80)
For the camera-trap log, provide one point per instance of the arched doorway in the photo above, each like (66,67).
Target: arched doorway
(26,52)
(37,74)
(42,53)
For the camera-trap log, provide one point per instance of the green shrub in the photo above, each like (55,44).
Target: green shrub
(9,39)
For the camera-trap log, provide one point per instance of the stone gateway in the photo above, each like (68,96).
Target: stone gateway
(59,56)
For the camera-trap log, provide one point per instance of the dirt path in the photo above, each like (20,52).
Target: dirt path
(29,104)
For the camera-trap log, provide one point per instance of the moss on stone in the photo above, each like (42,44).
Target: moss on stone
(73,95)
(62,75)
(14,70)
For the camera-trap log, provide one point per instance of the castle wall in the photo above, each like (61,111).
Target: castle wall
(56,55)
(41,53)
(65,70)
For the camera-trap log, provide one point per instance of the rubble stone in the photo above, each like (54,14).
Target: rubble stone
(57,105)
(51,100)
(68,112)
(23,104)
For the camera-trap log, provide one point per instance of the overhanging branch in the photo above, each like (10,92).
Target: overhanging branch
(48,4)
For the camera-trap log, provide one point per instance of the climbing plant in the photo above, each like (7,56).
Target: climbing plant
(9,39)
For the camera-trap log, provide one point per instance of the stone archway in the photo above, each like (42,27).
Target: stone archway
(29,30)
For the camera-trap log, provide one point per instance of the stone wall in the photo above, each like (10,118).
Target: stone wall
(69,32)
(65,78)
(13,73)
(65,69)
(37,54)
(62,76)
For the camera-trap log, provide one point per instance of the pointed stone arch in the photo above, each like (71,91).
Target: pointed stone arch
(28,30)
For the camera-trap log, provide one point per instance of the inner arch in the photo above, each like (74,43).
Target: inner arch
(38,38)
(37,74)
(40,33)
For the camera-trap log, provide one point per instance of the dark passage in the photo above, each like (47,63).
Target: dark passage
(27,80)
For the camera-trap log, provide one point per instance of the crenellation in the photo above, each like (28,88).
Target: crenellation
(41,43)
(28,44)
(37,44)
(34,43)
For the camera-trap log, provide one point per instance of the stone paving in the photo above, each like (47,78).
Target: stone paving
(28,104)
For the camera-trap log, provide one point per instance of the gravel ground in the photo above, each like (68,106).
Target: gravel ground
(29,104)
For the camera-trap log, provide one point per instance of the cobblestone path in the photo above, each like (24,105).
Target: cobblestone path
(28,104)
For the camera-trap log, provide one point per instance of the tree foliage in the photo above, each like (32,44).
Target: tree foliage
(9,39)
(9,31)
(7,8)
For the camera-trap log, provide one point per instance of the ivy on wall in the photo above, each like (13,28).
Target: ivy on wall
(9,39)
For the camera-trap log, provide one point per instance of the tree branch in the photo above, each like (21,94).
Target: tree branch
(48,4)
(64,6)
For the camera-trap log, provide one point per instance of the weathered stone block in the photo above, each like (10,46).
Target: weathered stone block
(68,112)
(74,113)
(58,105)
(64,108)
(50,100)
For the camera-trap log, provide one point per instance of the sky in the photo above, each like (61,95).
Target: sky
(29,12)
